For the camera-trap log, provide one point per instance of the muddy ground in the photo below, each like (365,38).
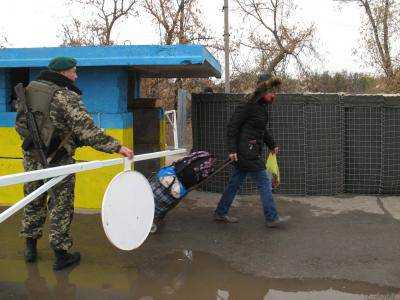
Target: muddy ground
(333,248)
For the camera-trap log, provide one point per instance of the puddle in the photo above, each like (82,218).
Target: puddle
(181,275)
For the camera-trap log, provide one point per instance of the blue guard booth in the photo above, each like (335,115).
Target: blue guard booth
(110,80)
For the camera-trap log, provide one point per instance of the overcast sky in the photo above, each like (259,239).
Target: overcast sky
(29,23)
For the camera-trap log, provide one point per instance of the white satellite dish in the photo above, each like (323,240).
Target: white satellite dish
(128,210)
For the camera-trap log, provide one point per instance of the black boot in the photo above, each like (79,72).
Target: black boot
(65,259)
(31,250)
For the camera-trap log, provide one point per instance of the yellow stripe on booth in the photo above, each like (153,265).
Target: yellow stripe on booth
(10,143)
(90,186)
(10,194)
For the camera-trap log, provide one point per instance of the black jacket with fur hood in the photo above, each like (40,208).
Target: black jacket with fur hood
(247,130)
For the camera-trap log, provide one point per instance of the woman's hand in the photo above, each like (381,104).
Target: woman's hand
(233,157)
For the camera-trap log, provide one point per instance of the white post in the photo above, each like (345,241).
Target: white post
(176,144)
(128,164)
(32,196)
(226,47)
(174,125)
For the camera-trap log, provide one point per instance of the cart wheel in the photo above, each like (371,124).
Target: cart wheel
(154,228)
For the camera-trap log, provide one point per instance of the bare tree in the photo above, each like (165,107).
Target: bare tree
(380,31)
(275,35)
(180,20)
(98,29)
(78,34)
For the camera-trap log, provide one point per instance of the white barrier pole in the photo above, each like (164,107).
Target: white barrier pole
(79,167)
(32,196)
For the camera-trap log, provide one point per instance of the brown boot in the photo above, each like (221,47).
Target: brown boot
(225,219)
(280,221)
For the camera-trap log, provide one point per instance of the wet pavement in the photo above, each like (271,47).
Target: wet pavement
(333,249)
(180,275)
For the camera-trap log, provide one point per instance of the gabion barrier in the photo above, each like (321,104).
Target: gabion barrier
(330,143)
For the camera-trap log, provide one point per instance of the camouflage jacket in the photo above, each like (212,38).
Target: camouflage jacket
(69,114)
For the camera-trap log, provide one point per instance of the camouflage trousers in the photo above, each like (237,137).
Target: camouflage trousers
(61,209)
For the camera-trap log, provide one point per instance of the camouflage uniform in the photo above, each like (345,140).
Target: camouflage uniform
(68,115)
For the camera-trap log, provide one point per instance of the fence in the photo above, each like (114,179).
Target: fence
(330,143)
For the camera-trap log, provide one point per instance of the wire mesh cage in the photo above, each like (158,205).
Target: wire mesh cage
(330,143)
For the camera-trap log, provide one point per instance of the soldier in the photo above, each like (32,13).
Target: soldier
(64,125)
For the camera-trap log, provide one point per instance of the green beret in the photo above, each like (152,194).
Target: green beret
(62,63)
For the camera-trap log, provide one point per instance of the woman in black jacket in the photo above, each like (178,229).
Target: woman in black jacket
(247,133)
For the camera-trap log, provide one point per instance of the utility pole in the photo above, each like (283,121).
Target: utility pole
(182,18)
(226,39)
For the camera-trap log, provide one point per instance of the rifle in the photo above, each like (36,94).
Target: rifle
(33,128)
